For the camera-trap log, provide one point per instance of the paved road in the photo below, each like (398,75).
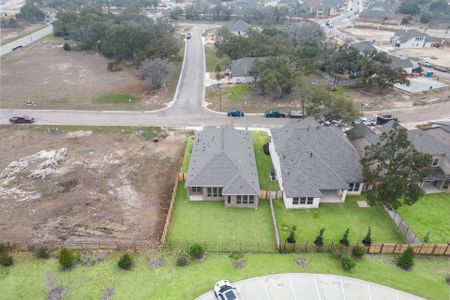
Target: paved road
(188,110)
(26,40)
(303,286)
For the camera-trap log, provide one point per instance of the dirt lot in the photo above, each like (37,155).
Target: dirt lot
(53,78)
(113,184)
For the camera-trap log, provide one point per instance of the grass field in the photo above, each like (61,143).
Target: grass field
(212,60)
(117,98)
(187,154)
(263,162)
(429,214)
(211,221)
(28,278)
(336,218)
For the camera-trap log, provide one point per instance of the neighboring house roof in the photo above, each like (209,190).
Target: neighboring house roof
(239,26)
(397,62)
(405,35)
(362,131)
(376,12)
(242,66)
(364,46)
(224,157)
(441,132)
(314,157)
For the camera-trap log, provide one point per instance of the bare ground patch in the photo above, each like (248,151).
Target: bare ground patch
(110,186)
(53,78)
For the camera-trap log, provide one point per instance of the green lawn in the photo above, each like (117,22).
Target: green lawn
(211,221)
(263,162)
(235,93)
(212,59)
(429,214)
(28,278)
(117,98)
(336,218)
(187,154)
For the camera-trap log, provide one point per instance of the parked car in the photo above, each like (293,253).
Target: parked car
(424,63)
(188,36)
(235,113)
(224,291)
(274,113)
(17,47)
(385,119)
(295,114)
(21,119)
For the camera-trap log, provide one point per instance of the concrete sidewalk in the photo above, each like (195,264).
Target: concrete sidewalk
(296,286)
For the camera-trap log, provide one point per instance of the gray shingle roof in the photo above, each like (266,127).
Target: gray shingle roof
(239,26)
(242,66)
(364,46)
(224,157)
(314,157)
(362,131)
(405,35)
(397,62)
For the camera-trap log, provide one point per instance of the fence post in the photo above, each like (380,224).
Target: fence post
(381,249)
(414,239)
(445,252)
(395,247)
(368,249)
(329,246)
(407,230)
(434,248)
(420,250)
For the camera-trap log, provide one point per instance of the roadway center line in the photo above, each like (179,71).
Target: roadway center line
(317,288)
(343,292)
(292,287)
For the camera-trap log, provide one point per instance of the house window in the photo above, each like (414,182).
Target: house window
(354,187)
(196,189)
(251,199)
(309,200)
(238,199)
(214,192)
(357,185)
(350,187)
(303,200)
(244,199)
(435,162)
(229,199)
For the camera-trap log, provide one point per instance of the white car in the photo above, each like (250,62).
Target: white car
(224,291)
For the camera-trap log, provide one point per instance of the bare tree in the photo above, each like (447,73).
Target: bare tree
(305,34)
(155,72)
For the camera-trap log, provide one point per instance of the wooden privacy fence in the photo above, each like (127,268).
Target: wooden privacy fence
(223,246)
(379,248)
(182,176)
(265,195)
(169,213)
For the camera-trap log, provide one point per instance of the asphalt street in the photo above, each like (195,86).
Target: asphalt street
(188,109)
(26,40)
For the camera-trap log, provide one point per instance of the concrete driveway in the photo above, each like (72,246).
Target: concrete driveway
(296,286)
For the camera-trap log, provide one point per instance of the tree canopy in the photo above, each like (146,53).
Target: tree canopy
(395,169)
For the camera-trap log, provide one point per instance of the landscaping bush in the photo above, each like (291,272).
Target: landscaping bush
(66,258)
(358,251)
(426,238)
(6,260)
(181,260)
(368,238)
(125,262)
(67,47)
(42,252)
(347,263)
(196,251)
(406,260)
(319,239)
(344,240)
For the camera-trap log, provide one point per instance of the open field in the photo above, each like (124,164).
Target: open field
(32,279)
(429,214)
(336,218)
(53,78)
(211,221)
(109,183)
(263,162)
(8,35)
(244,98)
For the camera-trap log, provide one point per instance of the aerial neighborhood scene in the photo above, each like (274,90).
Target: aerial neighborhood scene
(225,149)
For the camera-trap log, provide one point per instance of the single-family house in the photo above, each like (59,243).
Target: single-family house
(239,69)
(364,47)
(240,27)
(434,143)
(412,38)
(375,15)
(314,164)
(222,167)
